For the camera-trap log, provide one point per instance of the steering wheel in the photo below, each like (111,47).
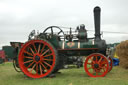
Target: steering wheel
(53,29)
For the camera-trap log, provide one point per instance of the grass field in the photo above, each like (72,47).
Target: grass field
(74,76)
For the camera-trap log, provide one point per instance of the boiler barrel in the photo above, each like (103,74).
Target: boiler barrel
(77,44)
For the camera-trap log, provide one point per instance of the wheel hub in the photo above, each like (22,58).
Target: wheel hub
(37,58)
(96,65)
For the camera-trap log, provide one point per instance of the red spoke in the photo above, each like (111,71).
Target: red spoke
(41,69)
(47,64)
(93,71)
(28,53)
(44,66)
(28,61)
(31,50)
(48,55)
(28,57)
(37,68)
(45,52)
(100,60)
(30,65)
(42,48)
(104,63)
(90,68)
(96,58)
(92,60)
(34,47)
(96,73)
(39,48)
(89,63)
(32,68)
(101,72)
(48,59)
(104,69)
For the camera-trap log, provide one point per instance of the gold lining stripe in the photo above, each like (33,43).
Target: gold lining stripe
(78,44)
(63,45)
(92,42)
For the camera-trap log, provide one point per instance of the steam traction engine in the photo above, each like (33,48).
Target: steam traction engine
(47,52)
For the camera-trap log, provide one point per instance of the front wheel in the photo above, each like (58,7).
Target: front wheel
(96,65)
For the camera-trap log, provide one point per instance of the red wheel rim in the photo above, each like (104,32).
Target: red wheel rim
(96,65)
(110,64)
(36,58)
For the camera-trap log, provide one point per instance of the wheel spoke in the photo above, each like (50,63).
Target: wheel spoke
(96,58)
(89,63)
(93,71)
(28,53)
(101,72)
(30,65)
(40,69)
(32,68)
(31,50)
(92,60)
(45,52)
(48,59)
(28,61)
(39,48)
(59,32)
(37,68)
(104,63)
(100,60)
(51,30)
(44,66)
(42,49)
(90,68)
(96,73)
(47,63)
(48,55)
(28,57)
(103,69)
(34,47)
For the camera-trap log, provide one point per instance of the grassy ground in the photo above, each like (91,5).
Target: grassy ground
(74,76)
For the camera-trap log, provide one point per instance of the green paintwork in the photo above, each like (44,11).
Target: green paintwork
(54,41)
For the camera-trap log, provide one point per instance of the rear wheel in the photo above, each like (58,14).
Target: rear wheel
(37,58)
(96,65)
(110,64)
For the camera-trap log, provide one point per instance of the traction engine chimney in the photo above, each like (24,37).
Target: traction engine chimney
(97,23)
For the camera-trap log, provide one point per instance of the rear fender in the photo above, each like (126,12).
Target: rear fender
(17,46)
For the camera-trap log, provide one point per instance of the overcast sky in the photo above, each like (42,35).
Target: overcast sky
(19,17)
